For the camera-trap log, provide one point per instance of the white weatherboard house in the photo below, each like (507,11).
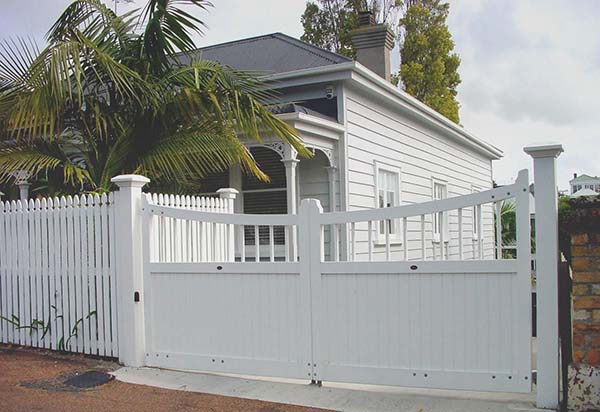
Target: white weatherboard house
(584,185)
(374,145)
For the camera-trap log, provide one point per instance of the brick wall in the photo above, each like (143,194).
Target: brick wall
(585,264)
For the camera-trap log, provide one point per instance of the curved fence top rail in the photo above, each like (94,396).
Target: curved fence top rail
(398,212)
(225,218)
(436,206)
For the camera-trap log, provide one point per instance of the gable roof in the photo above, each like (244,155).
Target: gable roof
(271,53)
(585,178)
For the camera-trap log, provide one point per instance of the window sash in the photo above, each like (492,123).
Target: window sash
(439,193)
(475,218)
(388,195)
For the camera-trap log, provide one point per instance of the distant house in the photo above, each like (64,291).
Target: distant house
(584,185)
(374,145)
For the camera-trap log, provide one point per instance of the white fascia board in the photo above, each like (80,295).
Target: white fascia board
(333,73)
(313,125)
(372,82)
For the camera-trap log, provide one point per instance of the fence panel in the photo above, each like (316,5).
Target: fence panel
(57,286)
(436,321)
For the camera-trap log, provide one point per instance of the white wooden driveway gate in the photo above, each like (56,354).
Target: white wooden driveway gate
(459,324)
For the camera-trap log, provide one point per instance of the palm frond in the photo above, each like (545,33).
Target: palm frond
(59,80)
(94,19)
(168,29)
(233,96)
(182,157)
(41,157)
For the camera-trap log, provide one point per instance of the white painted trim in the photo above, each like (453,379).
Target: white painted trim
(300,119)
(387,167)
(436,237)
(475,234)
(508,267)
(232,219)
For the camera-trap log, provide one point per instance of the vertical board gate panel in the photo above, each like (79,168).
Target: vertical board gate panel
(441,324)
(226,316)
(444,323)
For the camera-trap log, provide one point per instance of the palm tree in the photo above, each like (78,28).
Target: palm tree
(109,95)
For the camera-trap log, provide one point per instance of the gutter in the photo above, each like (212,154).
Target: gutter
(312,120)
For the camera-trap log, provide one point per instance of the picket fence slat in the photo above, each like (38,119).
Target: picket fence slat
(3,325)
(57,286)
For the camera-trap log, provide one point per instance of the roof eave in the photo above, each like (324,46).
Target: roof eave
(349,70)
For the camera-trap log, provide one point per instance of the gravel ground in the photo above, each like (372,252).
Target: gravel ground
(33,380)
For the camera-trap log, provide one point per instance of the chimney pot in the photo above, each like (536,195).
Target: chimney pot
(574,175)
(365,18)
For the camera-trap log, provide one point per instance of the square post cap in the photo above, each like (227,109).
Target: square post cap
(130,180)
(544,150)
(227,193)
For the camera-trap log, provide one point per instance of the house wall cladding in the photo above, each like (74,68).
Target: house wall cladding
(376,133)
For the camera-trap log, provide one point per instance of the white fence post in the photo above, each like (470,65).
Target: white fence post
(228,195)
(129,268)
(310,243)
(546,235)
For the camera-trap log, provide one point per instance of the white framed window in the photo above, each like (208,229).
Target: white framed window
(475,216)
(440,220)
(388,194)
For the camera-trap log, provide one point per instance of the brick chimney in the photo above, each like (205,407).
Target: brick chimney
(373,44)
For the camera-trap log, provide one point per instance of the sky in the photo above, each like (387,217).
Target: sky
(530,68)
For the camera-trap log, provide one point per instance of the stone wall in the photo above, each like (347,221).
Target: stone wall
(584,372)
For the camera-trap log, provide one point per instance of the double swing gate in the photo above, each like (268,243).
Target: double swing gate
(419,295)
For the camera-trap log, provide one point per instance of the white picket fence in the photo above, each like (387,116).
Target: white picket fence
(57,272)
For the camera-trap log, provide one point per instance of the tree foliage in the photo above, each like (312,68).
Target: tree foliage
(328,23)
(429,69)
(114,94)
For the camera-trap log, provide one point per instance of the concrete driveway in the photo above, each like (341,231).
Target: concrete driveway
(338,397)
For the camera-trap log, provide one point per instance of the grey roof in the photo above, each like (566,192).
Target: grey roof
(271,53)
